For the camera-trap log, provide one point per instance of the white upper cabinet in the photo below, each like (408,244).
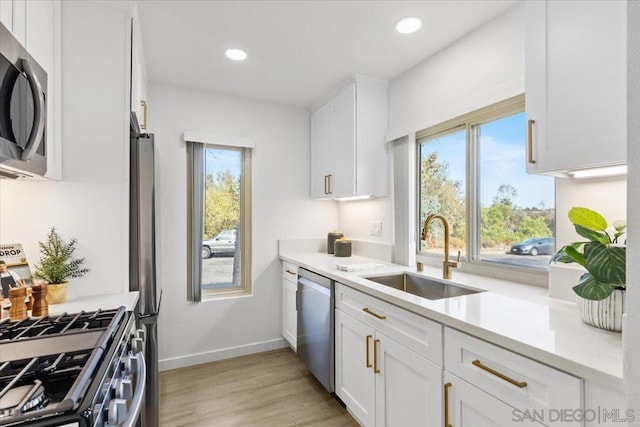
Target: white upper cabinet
(139,77)
(575,84)
(348,152)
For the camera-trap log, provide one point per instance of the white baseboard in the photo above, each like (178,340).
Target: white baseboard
(224,353)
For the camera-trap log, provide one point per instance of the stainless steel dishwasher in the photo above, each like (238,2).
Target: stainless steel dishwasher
(315,303)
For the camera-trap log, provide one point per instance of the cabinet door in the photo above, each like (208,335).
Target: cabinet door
(576,83)
(355,381)
(468,406)
(321,152)
(289,312)
(6,13)
(343,179)
(606,407)
(408,386)
(39,32)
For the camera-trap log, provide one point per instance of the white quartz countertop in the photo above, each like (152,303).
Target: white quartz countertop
(518,317)
(90,303)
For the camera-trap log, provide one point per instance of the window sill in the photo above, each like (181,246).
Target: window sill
(223,295)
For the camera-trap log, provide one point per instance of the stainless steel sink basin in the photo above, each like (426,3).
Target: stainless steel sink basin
(425,287)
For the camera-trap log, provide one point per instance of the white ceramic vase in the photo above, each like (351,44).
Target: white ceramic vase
(604,314)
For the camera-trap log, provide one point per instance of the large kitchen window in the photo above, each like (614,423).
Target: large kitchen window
(219,211)
(472,171)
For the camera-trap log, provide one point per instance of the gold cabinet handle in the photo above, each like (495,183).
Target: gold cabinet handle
(367,345)
(530,141)
(447,386)
(330,190)
(366,310)
(375,357)
(143,104)
(519,384)
(326,186)
(290,272)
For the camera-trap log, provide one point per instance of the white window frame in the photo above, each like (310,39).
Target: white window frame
(197,142)
(472,263)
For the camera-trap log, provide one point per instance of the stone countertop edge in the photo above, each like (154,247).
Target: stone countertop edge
(95,302)
(551,332)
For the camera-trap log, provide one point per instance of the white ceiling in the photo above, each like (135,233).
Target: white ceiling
(298,50)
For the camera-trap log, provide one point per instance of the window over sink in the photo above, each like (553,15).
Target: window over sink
(472,170)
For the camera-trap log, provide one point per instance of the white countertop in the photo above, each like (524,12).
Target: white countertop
(128,299)
(519,317)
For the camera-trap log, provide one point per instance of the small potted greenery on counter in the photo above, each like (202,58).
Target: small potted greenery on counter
(57,266)
(601,290)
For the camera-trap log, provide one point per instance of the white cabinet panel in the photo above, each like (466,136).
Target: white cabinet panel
(6,13)
(19,18)
(408,387)
(343,179)
(355,381)
(468,406)
(606,408)
(321,151)
(290,314)
(576,84)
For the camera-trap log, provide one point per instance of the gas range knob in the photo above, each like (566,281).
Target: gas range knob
(130,365)
(124,389)
(117,412)
(136,345)
(140,333)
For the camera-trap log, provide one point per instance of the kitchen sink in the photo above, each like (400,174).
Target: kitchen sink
(425,287)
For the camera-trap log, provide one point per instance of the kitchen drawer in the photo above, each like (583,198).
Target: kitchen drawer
(540,388)
(289,272)
(417,333)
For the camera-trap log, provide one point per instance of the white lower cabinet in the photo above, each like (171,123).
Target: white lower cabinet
(468,406)
(382,382)
(289,303)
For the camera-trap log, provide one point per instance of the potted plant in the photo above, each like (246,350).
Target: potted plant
(601,290)
(57,266)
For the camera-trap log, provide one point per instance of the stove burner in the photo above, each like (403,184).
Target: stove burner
(22,399)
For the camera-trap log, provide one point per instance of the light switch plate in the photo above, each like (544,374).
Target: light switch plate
(376,228)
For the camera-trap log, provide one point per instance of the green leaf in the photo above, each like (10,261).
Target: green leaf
(569,254)
(592,235)
(587,218)
(589,288)
(606,263)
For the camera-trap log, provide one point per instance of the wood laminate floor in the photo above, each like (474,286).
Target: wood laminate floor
(271,389)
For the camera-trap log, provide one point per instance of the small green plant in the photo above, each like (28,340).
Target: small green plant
(56,264)
(604,261)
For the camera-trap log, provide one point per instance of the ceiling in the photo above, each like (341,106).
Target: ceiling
(298,50)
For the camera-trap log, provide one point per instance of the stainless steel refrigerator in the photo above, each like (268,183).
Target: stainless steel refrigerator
(142,260)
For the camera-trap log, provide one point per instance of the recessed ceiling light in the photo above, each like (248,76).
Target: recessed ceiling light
(408,25)
(236,54)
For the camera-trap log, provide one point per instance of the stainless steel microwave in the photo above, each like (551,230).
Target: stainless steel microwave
(23,111)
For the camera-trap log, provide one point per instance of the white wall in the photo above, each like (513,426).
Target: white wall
(631,335)
(607,196)
(194,333)
(91,202)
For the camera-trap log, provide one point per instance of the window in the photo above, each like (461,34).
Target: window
(472,170)
(219,221)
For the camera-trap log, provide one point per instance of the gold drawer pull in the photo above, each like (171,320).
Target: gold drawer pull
(366,310)
(375,357)
(368,361)
(447,386)
(520,384)
(290,272)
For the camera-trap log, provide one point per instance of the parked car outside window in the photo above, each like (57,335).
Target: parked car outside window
(534,246)
(223,243)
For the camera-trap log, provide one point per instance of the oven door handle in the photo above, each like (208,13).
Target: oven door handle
(35,138)
(138,395)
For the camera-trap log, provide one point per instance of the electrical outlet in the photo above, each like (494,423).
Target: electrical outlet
(376,228)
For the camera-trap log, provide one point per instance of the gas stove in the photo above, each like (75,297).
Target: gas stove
(82,369)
